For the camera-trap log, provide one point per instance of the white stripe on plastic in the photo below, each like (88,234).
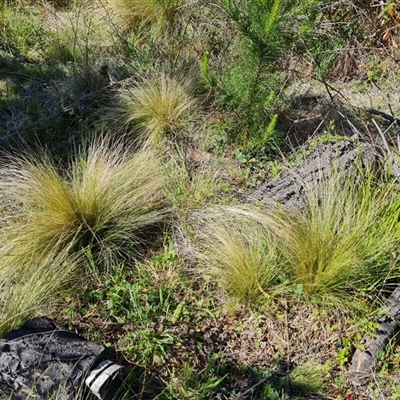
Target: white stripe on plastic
(103,372)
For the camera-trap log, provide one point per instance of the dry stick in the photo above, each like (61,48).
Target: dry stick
(267,295)
(390,109)
(373,142)
(384,115)
(398,140)
(328,89)
(390,118)
(382,134)
(397,122)
(354,129)
(246,392)
(393,118)
(282,305)
(141,393)
(389,153)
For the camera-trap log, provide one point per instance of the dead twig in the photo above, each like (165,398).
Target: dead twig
(249,390)
(389,153)
(384,115)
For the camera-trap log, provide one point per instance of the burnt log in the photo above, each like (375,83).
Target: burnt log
(346,156)
(364,361)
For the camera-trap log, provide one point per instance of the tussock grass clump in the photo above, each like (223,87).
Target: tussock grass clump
(343,243)
(240,254)
(102,204)
(96,213)
(157,15)
(153,108)
(339,247)
(29,286)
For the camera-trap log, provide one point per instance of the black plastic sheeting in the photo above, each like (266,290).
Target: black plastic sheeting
(42,360)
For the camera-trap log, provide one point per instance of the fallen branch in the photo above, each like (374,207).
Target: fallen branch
(384,115)
(389,153)
(249,390)
(364,361)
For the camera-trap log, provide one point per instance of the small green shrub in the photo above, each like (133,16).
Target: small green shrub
(190,188)
(190,385)
(251,82)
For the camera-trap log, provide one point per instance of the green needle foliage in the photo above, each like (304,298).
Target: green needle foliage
(266,30)
(102,205)
(153,108)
